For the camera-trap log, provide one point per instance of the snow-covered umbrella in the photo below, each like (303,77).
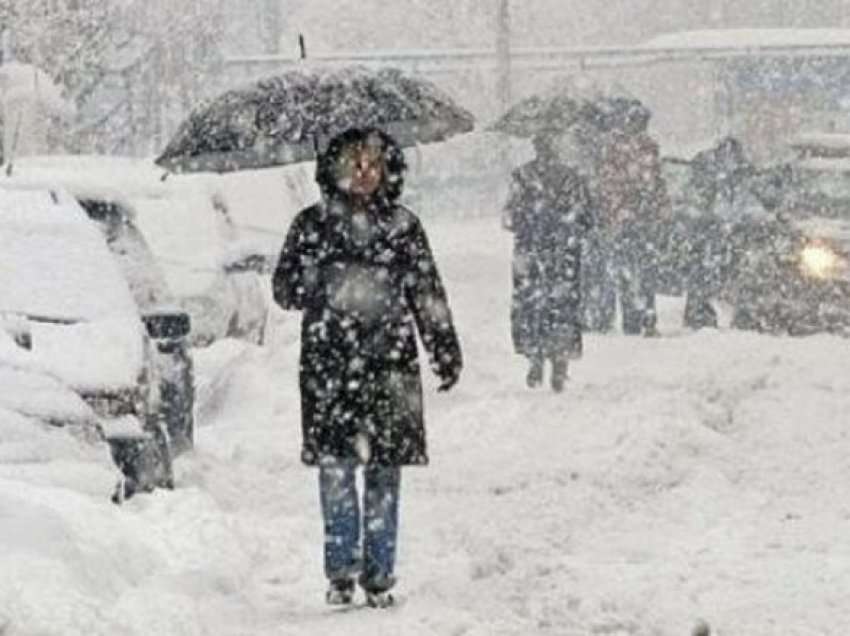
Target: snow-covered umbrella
(624,113)
(288,118)
(581,102)
(544,113)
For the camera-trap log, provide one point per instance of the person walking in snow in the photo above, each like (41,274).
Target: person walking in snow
(722,179)
(634,209)
(548,211)
(359,267)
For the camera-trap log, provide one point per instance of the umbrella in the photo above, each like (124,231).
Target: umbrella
(578,101)
(288,118)
(552,113)
(623,113)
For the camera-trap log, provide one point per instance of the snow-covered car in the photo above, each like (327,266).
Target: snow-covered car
(778,260)
(67,313)
(816,202)
(33,392)
(262,203)
(174,238)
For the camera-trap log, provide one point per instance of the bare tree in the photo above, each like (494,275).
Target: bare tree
(133,68)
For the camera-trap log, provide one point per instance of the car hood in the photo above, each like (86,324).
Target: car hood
(103,356)
(835,231)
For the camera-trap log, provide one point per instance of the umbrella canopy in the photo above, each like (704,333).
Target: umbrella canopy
(540,114)
(575,102)
(288,118)
(624,113)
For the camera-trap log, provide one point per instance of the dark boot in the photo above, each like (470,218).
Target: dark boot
(559,372)
(632,319)
(651,331)
(340,592)
(699,313)
(380,599)
(650,325)
(535,373)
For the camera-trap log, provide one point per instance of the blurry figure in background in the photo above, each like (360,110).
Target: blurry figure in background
(721,181)
(548,211)
(359,267)
(631,196)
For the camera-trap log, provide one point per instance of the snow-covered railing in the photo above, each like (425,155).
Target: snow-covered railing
(558,58)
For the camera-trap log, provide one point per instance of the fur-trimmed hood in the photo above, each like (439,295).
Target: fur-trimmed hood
(394,161)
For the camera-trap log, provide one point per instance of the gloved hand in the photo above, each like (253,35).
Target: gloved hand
(448,379)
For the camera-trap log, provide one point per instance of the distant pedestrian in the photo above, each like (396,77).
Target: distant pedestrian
(359,268)
(722,179)
(634,206)
(548,212)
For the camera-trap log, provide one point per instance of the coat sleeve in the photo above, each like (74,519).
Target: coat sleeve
(661,196)
(294,282)
(580,208)
(427,297)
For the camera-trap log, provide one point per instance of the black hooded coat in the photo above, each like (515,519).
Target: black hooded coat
(549,212)
(365,283)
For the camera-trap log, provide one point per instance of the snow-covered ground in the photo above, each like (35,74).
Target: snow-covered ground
(696,475)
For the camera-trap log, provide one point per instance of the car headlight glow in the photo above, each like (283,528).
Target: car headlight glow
(819,260)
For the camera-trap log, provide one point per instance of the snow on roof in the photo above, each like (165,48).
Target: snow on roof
(750,38)
(831,141)
(823,164)
(22,81)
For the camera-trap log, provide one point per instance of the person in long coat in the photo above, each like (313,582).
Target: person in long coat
(722,179)
(634,209)
(359,267)
(548,211)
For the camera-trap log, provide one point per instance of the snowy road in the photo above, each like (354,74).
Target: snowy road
(694,475)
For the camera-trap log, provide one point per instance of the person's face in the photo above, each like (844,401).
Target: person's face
(360,169)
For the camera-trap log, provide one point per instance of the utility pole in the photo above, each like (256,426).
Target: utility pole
(503,89)
(5,57)
(787,14)
(272,26)
(503,55)
(717,14)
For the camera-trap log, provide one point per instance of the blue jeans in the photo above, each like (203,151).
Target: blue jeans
(341,512)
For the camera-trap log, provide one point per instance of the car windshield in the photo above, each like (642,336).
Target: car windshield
(55,262)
